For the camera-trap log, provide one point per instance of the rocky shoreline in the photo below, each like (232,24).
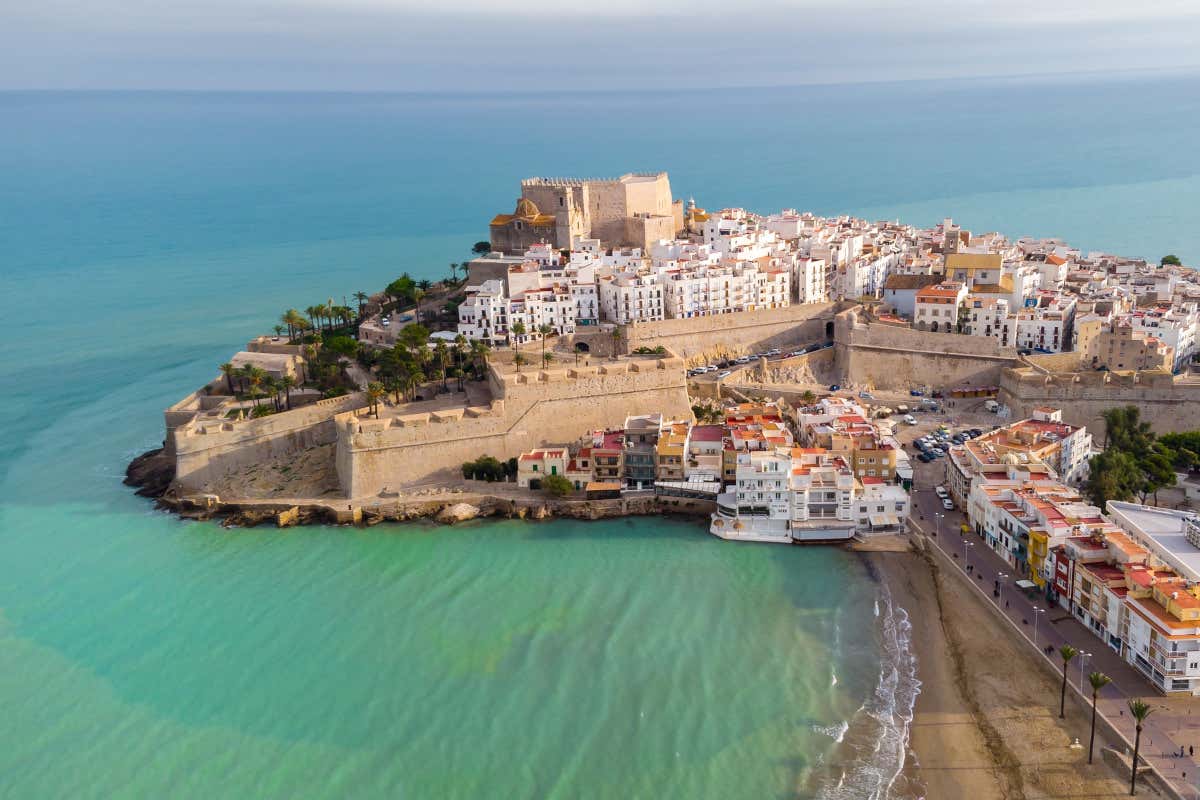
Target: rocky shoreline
(152,473)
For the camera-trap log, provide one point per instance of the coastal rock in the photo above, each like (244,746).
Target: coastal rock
(541,512)
(152,472)
(459,512)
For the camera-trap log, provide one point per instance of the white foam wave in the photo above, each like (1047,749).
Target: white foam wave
(877,747)
(835,732)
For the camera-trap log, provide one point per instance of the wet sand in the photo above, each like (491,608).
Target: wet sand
(986,722)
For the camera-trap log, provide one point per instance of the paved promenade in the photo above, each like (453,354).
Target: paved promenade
(1175,722)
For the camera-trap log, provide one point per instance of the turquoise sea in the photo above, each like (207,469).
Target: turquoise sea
(144,237)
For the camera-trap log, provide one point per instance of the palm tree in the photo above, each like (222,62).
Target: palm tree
(479,352)
(417,296)
(544,330)
(1140,711)
(454,271)
(807,397)
(1098,680)
(616,337)
(314,314)
(518,360)
(546,359)
(294,321)
(375,391)
(518,329)
(1067,652)
(230,370)
(361,298)
(279,329)
(288,383)
(442,352)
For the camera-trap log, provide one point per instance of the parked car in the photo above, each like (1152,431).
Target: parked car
(916,392)
(834,387)
(947,504)
(725,374)
(909,419)
(866,396)
(941,492)
(925,458)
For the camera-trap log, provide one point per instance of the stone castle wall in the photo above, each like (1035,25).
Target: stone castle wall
(533,409)
(698,338)
(887,357)
(207,449)
(1168,405)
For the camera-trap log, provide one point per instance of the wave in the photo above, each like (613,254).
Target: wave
(835,732)
(873,746)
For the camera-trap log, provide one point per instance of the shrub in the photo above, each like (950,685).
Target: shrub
(556,485)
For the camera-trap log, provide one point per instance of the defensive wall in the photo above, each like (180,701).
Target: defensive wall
(530,409)
(888,357)
(698,338)
(1167,403)
(208,446)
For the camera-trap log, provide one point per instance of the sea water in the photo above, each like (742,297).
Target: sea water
(146,237)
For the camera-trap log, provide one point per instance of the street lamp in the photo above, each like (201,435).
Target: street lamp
(1000,576)
(966,545)
(1037,612)
(1083,668)
(938,518)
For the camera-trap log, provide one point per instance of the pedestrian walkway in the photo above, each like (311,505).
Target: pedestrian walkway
(1170,728)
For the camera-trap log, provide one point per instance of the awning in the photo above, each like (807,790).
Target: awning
(1026,585)
(880,520)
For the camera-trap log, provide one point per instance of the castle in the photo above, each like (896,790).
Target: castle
(633,210)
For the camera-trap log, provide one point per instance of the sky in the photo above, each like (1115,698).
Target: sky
(520,45)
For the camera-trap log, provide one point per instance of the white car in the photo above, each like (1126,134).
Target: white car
(909,419)
(946,504)
(725,374)
(941,492)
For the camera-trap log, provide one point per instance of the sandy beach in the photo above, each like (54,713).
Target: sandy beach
(986,721)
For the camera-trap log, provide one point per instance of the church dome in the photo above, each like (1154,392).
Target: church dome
(526,209)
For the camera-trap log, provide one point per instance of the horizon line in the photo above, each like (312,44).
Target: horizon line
(1179,70)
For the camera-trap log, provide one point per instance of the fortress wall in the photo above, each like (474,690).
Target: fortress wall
(697,338)
(1167,405)
(887,357)
(372,457)
(207,449)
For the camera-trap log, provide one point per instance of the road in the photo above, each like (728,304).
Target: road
(1175,722)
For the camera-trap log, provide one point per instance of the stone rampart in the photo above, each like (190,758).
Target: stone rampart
(207,448)
(535,408)
(697,338)
(1167,404)
(888,357)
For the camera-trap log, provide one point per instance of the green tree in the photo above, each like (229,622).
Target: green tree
(400,290)
(518,330)
(342,346)
(481,248)
(546,359)
(375,391)
(1098,680)
(1171,260)
(545,331)
(1140,710)
(287,384)
(279,329)
(1067,652)
(556,486)
(617,333)
(1113,475)
(361,298)
(519,360)
(229,371)
(294,321)
(807,397)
